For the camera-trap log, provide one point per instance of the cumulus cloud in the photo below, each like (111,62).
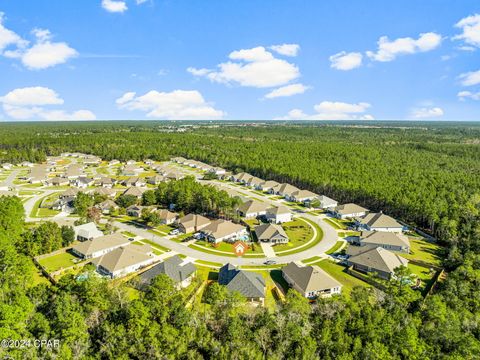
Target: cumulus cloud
(254,67)
(388,50)
(470,78)
(427,112)
(287,90)
(31,103)
(346,61)
(286,49)
(114,6)
(43,54)
(464,95)
(470,35)
(332,110)
(174,105)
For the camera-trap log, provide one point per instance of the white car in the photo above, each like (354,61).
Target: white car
(174,232)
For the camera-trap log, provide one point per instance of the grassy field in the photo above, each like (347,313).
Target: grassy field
(155,245)
(335,247)
(129,234)
(299,233)
(181,237)
(165,229)
(317,239)
(312,259)
(336,225)
(423,274)
(59,261)
(424,251)
(208,263)
(338,272)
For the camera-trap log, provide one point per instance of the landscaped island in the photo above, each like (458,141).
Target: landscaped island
(259,231)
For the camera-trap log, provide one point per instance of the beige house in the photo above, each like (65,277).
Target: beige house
(252,208)
(302,196)
(278,215)
(271,233)
(223,230)
(267,185)
(192,223)
(99,246)
(379,222)
(311,281)
(124,260)
(349,211)
(377,260)
(167,217)
(387,240)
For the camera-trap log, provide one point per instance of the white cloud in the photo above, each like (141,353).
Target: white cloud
(254,67)
(470,78)
(427,112)
(346,61)
(175,105)
(8,37)
(463,95)
(388,50)
(332,110)
(470,30)
(41,55)
(29,103)
(286,49)
(287,90)
(114,6)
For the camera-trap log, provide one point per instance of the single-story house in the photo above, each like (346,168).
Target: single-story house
(249,284)
(285,190)
(192,223)
(135,191)
(106,182)
(387,240)
(125,260)
(131,170)
(166,217)
(326,203)
(148,162)
(242,177)
(254,182)
(113,162)
(74,171)
(105,191)
(267,185)
(135,210)
(134,181)
(99,246)
(302,196)
(223,230)
(378,260)
(349,211)
(7,166)
(87,231)
(310,281)
(379,222)
(155,180)
(252,209)
(107,206)
(69,193)
(178,159)
(83,182)
(175,268)
(278,215)
(217,171)
(174,176)
(59,181)
(131,162)
(271,233)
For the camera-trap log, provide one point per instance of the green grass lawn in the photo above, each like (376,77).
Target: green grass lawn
(336,225)
(425,251)
(299,233)
(312,259)
(155,245)
(296,249)
(334,248)
(338,272)
(252,222)
(165,229)
(59,261)
(181,237)
(129,234)
(423,274)
(208,263)
(44,212)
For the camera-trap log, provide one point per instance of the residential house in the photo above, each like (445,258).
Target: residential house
(125,260)
(224,230)
(326,203)
(379,222)
(149,162)
(74,171)
(303,196)
(26,164)
(87,231)
(378,260)
(349,211)
(59,181)
(192,223)
(135,191)
(217,171)
(83,182)
(253,182)
(7,166)
(107,206)
(131,170)
(92,160)
(134,181)
(267,185)
(285,190)
(69,193)
(135,210)
(387,240)
(155,180)
(252,208)
(310,281)
(178,160)
(106,182)
(226,176)
(99,246)
(278,215)
(249,284)
(113,162)
(131,162)
(179,271)
(105,191)
(272,233)
(242,177)
(174,176)
(167,217)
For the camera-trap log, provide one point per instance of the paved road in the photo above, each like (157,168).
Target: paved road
(9,180)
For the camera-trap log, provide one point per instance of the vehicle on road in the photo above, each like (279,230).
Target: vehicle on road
(270,262)
(174,232)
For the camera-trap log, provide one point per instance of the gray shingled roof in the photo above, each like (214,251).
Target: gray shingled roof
(249,284)
(170,267)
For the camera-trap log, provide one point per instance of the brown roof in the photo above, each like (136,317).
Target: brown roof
(268,231)
(380,220)
(379,259)
(252,206)
(193,220)
(310,278)
(123,257)
(350,208)
(89,247)
(221,228)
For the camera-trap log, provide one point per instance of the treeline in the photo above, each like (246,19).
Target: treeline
(189,196)
(94,320)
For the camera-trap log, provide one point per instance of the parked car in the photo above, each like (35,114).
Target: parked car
(174,232)
(270,262)
(198,236)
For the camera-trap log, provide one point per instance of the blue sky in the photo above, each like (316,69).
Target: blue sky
(222,59)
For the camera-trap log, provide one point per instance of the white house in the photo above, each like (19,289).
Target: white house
(349,211)
(380,222)
(87,231)
(278,215)
(252,208)
(223,230)
(99,246)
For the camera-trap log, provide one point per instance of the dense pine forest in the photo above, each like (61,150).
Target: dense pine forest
(426,174)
